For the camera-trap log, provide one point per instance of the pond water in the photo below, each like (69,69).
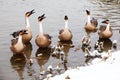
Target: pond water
(12,19)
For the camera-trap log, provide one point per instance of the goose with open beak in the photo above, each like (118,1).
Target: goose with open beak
(25,37)
(42,40)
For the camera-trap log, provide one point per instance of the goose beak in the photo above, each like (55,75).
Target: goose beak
(32,11)
(29,13)
(106,21)
(88,12)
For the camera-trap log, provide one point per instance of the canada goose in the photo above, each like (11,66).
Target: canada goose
(26,37)
(65,34)
(91,25)
(42,40)
(105,31)
(17,45)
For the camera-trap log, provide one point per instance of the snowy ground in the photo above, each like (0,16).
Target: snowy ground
(97,70)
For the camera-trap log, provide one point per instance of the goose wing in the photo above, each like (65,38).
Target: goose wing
(102,27)
(14,41)
(16,33)
(61,31)
(48,36)
(94,22)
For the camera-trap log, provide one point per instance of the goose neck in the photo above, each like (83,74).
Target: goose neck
(27,22)
(108,26)
(40,27)
(88,18)
(20,38)
(66,23)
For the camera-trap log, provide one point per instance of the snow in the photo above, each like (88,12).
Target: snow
(97,70)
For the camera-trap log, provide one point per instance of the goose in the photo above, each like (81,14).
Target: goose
(17,45)
(42,40)
(105,31)
(25,37)
(91,24)
(65,34)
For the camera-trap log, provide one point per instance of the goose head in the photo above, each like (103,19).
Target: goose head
(66,21)
(88,12)
(21,32)
(107,21)
(66,18)
(40,18)
(27,14)
(16,33)
(88,17)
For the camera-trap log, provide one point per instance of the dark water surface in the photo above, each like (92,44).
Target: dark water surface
(12,19)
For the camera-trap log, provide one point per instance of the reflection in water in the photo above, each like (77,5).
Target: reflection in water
(28,50)
(62,50)
(107,44)
(86,43)
(18,62)
(102,45)
(115,44)
(42,56)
